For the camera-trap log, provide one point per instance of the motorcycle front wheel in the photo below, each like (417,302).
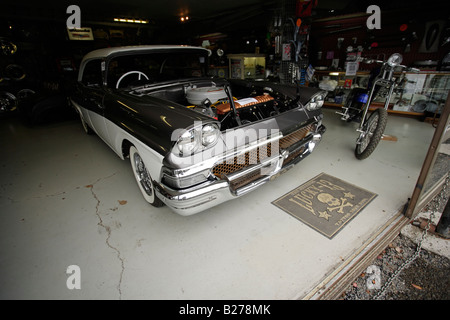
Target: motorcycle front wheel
(371,134)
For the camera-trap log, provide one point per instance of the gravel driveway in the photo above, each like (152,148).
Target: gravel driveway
(426,278)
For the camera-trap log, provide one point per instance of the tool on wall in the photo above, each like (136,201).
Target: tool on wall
(295,40)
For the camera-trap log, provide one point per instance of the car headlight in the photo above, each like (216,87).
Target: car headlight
(210,134)
(316,101)
(188,142)
(196,139)
(395,59)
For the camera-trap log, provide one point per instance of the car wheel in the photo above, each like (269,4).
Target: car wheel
(86,128)
(143,178)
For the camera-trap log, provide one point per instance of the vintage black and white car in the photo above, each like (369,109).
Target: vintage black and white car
(194,141)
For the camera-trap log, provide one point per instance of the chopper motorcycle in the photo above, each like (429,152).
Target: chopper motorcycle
(356,108)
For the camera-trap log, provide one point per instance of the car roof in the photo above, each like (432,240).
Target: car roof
(105,52)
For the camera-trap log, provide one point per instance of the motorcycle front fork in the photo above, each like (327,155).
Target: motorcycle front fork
(383,83)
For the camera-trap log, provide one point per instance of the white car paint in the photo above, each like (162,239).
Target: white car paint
(114,136)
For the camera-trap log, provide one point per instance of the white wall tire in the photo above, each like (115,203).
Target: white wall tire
(143,178)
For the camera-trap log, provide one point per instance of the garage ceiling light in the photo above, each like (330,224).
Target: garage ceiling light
(130,20)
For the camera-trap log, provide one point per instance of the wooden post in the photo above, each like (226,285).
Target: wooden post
(429,159)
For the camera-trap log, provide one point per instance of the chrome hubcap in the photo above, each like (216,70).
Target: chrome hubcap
(142,174)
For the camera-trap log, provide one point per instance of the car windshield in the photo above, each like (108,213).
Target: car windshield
(138,69)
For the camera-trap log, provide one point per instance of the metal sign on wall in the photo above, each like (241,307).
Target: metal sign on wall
(80,33)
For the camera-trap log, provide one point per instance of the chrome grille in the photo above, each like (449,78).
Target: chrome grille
(254,156)
(257,155)
(295,136)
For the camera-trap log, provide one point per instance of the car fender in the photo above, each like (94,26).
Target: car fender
(120,138)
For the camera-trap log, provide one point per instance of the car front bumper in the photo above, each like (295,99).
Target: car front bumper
(209,194)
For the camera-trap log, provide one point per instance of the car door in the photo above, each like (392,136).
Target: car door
(91,96)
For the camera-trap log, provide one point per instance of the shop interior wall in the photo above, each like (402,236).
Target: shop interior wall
(390,39)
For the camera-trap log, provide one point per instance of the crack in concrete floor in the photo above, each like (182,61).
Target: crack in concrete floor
(108,231)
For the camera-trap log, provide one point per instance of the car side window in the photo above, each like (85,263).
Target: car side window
(92,74)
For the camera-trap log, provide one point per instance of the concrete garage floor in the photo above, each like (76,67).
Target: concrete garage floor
(67,199)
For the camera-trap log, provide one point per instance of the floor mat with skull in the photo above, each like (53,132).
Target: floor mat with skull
(325,203)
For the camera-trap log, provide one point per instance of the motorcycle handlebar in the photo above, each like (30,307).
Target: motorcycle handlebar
(369,61)
(408,69)
(413,69)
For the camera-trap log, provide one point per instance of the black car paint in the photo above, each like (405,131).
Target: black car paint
(153,120)
(149,119)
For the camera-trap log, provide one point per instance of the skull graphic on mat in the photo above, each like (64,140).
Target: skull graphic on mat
(328,199)
(334,203)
